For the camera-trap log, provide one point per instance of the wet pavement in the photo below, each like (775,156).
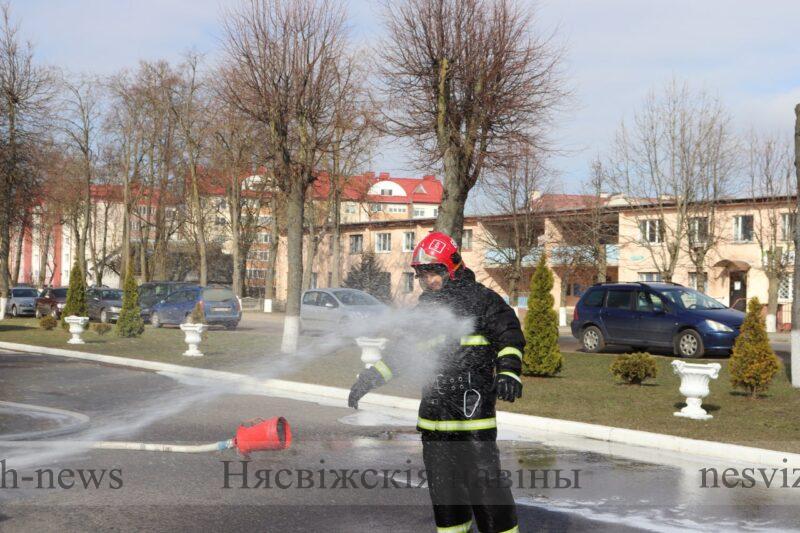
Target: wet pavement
(618,488)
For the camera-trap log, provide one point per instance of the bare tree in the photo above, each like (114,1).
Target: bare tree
(25,94)
(513,192)
(283,59)
(81,117)
(661,163)
(769,171)
(193,115)
(468,81)
(795,359)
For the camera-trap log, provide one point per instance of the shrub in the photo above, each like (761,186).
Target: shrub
(101,329)
(753,364)
(76,295)
(130,323)
(48,322)
(542,356)
(197,316)
(634,368)
(369,276)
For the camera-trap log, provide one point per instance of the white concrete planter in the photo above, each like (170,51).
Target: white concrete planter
(77,325)
(694,385)
(193,335)
(371,349)
(267,305)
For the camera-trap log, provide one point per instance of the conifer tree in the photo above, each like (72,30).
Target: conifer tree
(542,356)
(368,277)
(130,323)
(75,304)
(753,364)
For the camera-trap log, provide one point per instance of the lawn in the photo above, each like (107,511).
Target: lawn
(222,348)
(585,391)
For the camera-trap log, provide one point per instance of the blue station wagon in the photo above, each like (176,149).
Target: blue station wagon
(220,306)
(654,315)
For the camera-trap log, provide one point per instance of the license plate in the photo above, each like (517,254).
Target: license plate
(220,309)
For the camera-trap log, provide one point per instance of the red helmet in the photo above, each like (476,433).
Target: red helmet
(437,249)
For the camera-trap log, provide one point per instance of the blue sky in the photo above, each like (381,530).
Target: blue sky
(744,52)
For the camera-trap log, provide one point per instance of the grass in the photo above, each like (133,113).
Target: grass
(585,391)
(223,348)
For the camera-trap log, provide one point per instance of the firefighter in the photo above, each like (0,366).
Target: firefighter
(457,411)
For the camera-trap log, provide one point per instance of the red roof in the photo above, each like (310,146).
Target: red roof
(424,190)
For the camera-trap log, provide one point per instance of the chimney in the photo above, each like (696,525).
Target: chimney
(384,175)
(429,177)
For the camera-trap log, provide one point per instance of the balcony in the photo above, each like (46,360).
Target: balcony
(503,256)
(558,255)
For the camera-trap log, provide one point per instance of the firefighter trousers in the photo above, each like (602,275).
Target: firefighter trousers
(465,480)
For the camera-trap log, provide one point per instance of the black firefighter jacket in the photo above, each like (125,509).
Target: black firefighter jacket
(461,397)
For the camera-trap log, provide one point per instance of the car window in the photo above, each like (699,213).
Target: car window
(325,299)
(618,299)
(189,296)
(175,297)
(112,294)
(59,293)
(218,294)
(691,299)
(310,298)
(355,298)
(24,293)
(594,298)
(643,302)
(657,303)
(161,290)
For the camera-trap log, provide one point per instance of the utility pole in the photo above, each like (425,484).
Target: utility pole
(795,358)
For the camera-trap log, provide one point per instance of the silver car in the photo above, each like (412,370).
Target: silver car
(22,301)
(326,309)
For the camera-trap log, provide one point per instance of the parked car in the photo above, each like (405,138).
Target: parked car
(104,304)
(22,301)
(654,315)
(220,306)
(152,292)
(51,302)
(322,309)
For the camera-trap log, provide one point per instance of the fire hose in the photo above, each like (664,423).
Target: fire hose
(254,435)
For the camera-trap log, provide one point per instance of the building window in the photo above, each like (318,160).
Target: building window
(466,240)
(375,208)
(258,255)
(419,212)
(356,244)
(436,211)
(651,277)
(220,221)
(397,209)
(350,208)
(787,226)
(698,230)
(693,281)
(256,273)
(651,231)
(386,192)
(409,241)
(313,280)
(264,238)
(786,288)
(743,228)
(408,282)
(383,242)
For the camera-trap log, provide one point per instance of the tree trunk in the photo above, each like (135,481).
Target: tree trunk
(237,246)
(125,254)
(308,262)
(274,241)
(44,252)
(295,206)
(18,252)
(451,212)
(336,245)
(795,359)
(199,228)
(602,264)
(773,282)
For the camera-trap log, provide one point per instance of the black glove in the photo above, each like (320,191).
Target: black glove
(507,388)
(367,380)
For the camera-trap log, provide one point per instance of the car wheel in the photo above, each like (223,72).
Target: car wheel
(689,344)
(54,312)
(104,316)
(14,311)
(37,313)
(593,340)
(155,321)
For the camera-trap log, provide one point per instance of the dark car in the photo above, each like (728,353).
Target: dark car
(51,302)
(152,292)
(219,303)
(654,315)
(104,304)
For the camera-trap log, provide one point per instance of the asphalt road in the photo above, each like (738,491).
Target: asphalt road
(620,489)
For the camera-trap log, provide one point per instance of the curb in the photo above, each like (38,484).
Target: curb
(525,425)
